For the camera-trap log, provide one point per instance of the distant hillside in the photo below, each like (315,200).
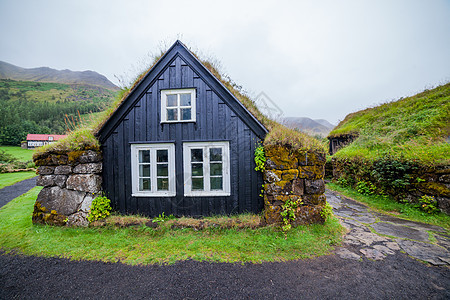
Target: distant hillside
(312,127)
(45,74)
(41,107)
(416,128)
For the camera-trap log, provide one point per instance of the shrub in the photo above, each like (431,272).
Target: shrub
(100,209)
(365,188)
(428,204)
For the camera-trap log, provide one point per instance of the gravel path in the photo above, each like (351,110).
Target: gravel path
(330,277)
(10,192)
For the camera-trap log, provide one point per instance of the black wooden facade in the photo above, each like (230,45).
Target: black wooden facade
(219,117)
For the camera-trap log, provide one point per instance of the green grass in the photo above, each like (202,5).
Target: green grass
(143,245)
(7,179)
(389,206)
(414,127)
(19,153)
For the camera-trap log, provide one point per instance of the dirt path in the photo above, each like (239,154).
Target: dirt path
(10,192)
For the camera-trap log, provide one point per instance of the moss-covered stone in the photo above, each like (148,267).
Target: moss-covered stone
(42,216)
(311,172)
(280,158)
(272,175)
(315,158)
(314,199)
(289,174)
(301,157)
(308,214)
(434,188)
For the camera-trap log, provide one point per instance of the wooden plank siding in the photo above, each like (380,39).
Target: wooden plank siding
(216,120)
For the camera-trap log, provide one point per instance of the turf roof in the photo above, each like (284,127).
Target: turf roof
(278,134)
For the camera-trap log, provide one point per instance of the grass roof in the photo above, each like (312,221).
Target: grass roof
(415,127)
(278,134)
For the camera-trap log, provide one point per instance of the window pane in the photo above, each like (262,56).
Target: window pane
(144,184)
(215,154)
(216,169)
(172,114)
(197,184)
(163,184)
(216,183)
(144,170)
(162,156)
(144,156)
(185,114)
(197,169)
(196,154)
(185,99)
(162,170)
(171,100)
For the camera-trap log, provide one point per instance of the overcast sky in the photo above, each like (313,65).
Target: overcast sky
(318,59)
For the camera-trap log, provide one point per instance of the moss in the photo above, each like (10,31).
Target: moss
(289,175)
(434,188)
(311,172)
(41,216)
(74,155)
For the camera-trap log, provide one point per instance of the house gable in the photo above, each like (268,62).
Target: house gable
(157,72)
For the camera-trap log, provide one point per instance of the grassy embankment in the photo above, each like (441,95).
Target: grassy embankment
(144,245)
(415,128)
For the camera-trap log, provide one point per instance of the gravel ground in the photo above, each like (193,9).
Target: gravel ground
(396,277)
(10,192)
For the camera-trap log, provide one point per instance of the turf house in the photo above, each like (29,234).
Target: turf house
(182,141)
(182,144)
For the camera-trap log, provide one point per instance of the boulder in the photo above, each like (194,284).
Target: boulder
(45,180)
(89,168)
(90,156)
(90,183)
(314,186)
(63,170)
(45,170)
(62,201)
(78,219)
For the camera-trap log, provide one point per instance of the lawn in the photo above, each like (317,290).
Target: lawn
(7,179)
(143,245)
(19,153)
(386,204)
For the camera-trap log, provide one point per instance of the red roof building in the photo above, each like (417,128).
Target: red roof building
(38,140)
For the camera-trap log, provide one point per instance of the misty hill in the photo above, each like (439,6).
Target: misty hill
(319,127)
(45,74)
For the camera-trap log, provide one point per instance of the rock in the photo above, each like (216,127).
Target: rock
(444,204)
(45,170)
(78,219)
(314,199)
(316,158)
(372,254)
(444,178)
(311,172)
(84,182)
(60,180)
(314,186)
(400,231)
(90,156)
(45,180)
(367,237)
(298,187)
(63,170)
(347,254)
(425,251)
(87,202)
(89,168)
(383,249)
(63,201)
(272,176)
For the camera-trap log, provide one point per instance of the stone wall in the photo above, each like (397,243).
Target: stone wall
(294,175)
(71,180)
(430,181)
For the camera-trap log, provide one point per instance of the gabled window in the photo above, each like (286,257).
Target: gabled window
(178,105)
(206,169)
(153,170)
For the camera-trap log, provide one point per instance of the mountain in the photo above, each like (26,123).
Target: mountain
(319,127)
(45,74)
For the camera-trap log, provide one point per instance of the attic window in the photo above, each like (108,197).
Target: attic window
(178,105)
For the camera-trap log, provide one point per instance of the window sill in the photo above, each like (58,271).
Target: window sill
(181,121)
(168,194)
(207,194)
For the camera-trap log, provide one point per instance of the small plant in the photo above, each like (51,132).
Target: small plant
(162,218)
(365,188)
(428,204)
(260,158)
(327,211)
(288,214)
(100,209)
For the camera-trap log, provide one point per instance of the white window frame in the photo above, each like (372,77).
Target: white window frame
(164,94)
(153,165)
(188,192)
